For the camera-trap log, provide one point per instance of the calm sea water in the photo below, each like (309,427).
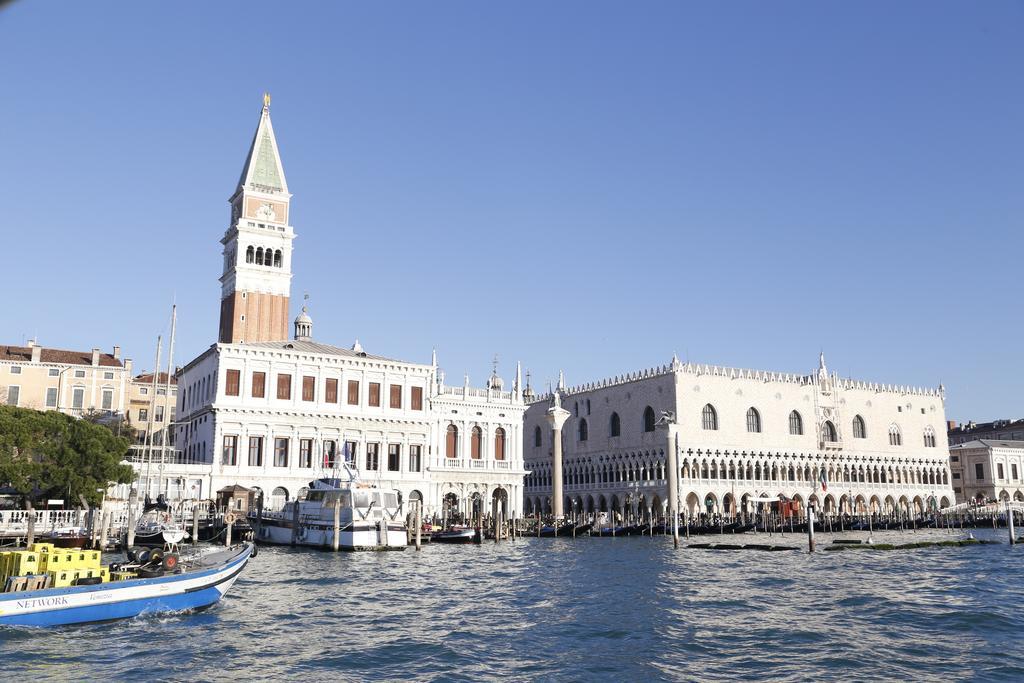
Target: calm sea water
(562,609)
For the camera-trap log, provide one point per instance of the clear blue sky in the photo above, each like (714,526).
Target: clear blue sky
(579,185)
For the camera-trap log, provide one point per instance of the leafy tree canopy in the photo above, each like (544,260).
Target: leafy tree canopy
(53,455)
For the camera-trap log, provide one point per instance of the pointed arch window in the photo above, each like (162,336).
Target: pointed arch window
(648,419)
(536,437)
(753,420)
(451,442)
(859,429)
(584,430)
(709,417)
(828,432)
(895,437)
(796,423)
(929,437)
(614,425)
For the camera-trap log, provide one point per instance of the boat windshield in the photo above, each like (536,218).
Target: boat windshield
(362,499)
(390,499)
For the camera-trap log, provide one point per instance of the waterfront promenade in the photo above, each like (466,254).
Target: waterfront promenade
(589,609)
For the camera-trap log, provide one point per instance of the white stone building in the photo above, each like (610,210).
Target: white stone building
(743,435)
(267,412)
(987,470)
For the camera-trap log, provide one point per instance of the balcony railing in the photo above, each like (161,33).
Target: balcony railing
(472,464)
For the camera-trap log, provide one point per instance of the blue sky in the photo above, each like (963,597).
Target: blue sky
(581,185)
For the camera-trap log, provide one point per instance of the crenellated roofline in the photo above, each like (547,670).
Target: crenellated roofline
(699,369)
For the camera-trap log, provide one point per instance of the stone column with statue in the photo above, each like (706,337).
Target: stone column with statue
(556,416)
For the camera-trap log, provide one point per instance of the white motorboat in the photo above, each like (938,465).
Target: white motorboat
(369,518)
(156,527)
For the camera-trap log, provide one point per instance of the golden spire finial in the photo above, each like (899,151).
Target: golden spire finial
(266,100)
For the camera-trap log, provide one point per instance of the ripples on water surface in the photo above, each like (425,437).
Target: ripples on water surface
(564,609)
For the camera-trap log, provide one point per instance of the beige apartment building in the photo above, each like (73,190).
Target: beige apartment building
(151,408)
(74,382)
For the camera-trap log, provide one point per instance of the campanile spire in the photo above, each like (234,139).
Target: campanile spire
(256,282)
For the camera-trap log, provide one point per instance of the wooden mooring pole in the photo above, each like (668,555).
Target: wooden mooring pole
(133,502)
(295,524)
(810,529)
(1009,524)
(105,528)
(419,523)
(195,523)
(30,524)
(336,540)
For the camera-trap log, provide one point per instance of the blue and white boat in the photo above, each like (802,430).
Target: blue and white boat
(197,587)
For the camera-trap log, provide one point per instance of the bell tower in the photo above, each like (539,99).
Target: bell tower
(256,282)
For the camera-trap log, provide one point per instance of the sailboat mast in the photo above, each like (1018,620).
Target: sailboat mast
(152,409)
(167,397)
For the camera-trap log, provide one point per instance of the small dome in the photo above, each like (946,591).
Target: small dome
(303,326)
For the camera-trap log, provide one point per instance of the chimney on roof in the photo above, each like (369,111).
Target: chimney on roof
(117,352)
(95,357)
(950,425)
(37,351)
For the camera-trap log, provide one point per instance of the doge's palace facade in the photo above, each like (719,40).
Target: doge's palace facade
(744,435)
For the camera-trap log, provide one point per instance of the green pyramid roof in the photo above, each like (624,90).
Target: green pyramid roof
(262,168)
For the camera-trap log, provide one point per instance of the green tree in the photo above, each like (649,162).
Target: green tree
(50,454)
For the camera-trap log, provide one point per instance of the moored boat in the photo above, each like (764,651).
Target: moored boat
(455,535)
(156,527)
(368,518)
(566,529)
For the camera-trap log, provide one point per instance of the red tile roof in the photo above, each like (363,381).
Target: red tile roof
(23,354)
(147,378)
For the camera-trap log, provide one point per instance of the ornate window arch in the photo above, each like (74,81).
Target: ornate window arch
(499,444)
(859,429)
(895,437)
(451,443)
(476,439)
(929,437)
(614,425)
(709,417)
(648,419)
(250,254)
(584,431)
(796,423)
(828,432)
(753,420)
(277,258)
